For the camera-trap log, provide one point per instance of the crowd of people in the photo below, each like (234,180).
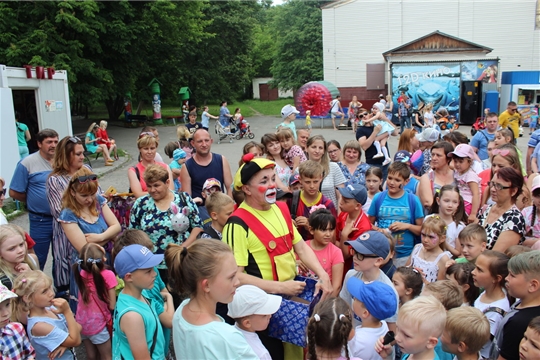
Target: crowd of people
(429,254)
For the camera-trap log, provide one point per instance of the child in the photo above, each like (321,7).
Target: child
(184,136)
(408,283)
(193,125)
(254,148)
(447,292)
(103,138)
(369,250)
(136,316)
(288,114)
(448,205)
(514,250)
(210,186)
(428,256)
(467,180)
(532,214)
(378,118)
(420,323)
(473,241)
(329,330)
(372,302)
(529,347)
(308,120)
(486,163)
(292,153)
(522,283)
(506,136)
(461,274)
(294,183)
(466,330)
(322,224)
(14,257)
(219,206)
(398,211)
(374,181)
(387,265)
(490,273)
(429,118)
(252,308)
(311,174)
(97,298)
(14,343)
(179,158)
(51,325)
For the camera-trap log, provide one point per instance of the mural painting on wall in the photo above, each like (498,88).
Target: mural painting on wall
(434,83)
(486,71)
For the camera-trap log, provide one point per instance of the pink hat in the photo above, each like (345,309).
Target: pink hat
(464,151)
(535,184)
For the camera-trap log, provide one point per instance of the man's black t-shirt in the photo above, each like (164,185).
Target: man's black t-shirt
(370,151)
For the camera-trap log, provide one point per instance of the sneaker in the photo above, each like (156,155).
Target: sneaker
(386,162)
(378,155)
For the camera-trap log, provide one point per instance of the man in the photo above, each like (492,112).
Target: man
(403,112)
(336,110)
(511,118)
(366,136)
(481,139)
(534,140)
(203,165)
(302,136)
(266,250)
(28,186)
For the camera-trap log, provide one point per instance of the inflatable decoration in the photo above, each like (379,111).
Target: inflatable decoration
(315,96)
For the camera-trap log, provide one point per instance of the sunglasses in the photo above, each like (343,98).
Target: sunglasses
(143,134)
(498,186)
(3,192)
(513,109)
(86,178)
(500,152)
(75,139)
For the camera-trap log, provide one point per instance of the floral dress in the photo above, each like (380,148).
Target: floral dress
(359,175)
(157,225)
(511,220)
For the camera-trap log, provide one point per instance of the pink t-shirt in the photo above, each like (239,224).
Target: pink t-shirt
(293,152)
(528,214)
(328,257)
(463,181)
(94,316)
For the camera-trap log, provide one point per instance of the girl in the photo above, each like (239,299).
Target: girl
(97,298)
(388,129)
(532,215)
(238,115)
(252,147)
(92,145)
(428,256)
(103,137)
(374,181)
(329,330)
(14,257)
(408,283)
(429,118)
(291,153)
(506,136)
(322,226)
(272,149)
(490,273)
(51,326)
(207,273)
(14,343)
(461,274)
(467,179)
(449,206)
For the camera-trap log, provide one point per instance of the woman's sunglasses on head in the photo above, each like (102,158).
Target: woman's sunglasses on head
(86,178)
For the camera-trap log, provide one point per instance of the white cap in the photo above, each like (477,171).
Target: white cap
(379,106)
(428,135)
(250,300)
(288,110)
(536,183)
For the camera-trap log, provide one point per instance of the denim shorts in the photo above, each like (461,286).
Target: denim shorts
(99,338)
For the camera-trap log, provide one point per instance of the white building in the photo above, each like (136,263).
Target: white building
(263,91)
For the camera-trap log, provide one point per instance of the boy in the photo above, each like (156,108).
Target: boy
(405,157)
(210,186)
(473,241)
(372,302)
(369,251)
(522,282)
(179,158)
(308,120)
(300,205)
(466,331)
(398,212)
(220,206)
(193,125)
(420,323)
(294,183)
(529,347)
(252,309)
(135,316)
(14,343)
(288,114)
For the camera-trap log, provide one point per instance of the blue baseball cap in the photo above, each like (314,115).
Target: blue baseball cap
(135,257)
(402,156)
(371,242)
(357,192)
(294,179)
(378,298)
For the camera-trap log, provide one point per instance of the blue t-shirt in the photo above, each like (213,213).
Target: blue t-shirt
(99,227)
(412,185)
(46,344)
(480,142)
(30,177)
(393,210)
(536,155)
(224,120)
(534,139)
(205,119)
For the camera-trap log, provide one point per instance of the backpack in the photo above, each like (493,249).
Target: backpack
(412,209)
(294,203)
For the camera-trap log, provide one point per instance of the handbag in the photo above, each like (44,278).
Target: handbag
(109,323)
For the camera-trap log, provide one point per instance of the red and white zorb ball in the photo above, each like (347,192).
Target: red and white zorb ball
(315,96)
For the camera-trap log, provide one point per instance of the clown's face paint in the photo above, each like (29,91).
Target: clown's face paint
(269,193)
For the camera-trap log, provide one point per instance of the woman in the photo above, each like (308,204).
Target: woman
(353,170)
(334,151)
(408,141)
(224,114)
(147,144)
(332,176)
(103,138)
(440,174)
(354,105)
(85,218)
(68,159)
(152,213)
(23,136)
(389,107)
(418,117)
(272,149)
(504,223)
(92,145)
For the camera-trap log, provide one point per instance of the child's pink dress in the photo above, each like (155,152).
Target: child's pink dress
(462,182)
(293,152)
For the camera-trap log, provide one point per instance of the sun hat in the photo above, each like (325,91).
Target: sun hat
(250,300)
(6,294)
(428,135)
(463,151)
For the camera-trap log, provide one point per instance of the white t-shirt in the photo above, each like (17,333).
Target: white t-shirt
(255,343)
(362,344)
(493,317)
(335,105)
(330,182)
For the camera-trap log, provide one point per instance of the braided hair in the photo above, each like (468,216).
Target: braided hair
(329,328)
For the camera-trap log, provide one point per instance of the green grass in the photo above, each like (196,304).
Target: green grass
(10,209)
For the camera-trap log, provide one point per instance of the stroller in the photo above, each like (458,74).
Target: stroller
(223,133)
(244,129)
